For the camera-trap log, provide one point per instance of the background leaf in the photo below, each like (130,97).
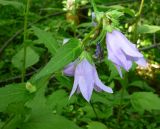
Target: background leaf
(141,84)
(47,39)
(96,125)
(31,58)
(148,29)
(12,93)
(145,101)
(12,3)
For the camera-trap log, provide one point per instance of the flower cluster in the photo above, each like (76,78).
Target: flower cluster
(120,51)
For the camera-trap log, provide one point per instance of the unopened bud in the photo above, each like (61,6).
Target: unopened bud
(31,88)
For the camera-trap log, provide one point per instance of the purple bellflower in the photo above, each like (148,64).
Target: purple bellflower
(122,52)
(85,79)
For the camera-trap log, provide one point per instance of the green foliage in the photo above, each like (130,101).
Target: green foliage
(12,3)
(142,85)
(31,58)
(96,125)
(12,93)
(47,39)
(42,100)
(148,29)
(58,100)
(145,101)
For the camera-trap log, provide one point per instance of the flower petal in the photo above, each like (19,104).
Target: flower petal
(84,72)
(128,47)
(119,71)
(116,55)
(141,61)
(99,84)
(75,85)
(69,69)
(86,88)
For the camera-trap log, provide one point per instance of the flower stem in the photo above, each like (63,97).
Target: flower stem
(24,39)
(93,5)
(94,110)
(124,84)
(141,7)
(137,20)
(88,35)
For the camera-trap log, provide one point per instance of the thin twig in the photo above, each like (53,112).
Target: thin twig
(16,77)
(94,110)
(150,47)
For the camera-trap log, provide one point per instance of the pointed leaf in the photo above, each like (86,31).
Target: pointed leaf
(145,101)
(148,29)
(47,39)
(64,56)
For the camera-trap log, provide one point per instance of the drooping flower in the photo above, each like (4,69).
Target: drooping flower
(122,52)
(86,79)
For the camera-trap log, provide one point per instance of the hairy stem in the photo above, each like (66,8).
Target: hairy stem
(141,7)
(137,20)
(24,39)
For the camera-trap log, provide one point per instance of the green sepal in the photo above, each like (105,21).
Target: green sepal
(87,56)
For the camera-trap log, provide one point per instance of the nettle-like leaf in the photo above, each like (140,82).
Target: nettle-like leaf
(141,84)
(64,56)
(41,115)
(12,93)
(142,101)
(142,29)
(57,100)
(47,39)
(31,58)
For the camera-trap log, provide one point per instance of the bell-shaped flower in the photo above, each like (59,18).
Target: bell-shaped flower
(86,79)
(122,52)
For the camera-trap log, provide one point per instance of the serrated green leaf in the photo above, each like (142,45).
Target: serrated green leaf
(31,58)
(64,56)
(141,84)
(148,29)
(42,117)
(142,101)
(47,39)
(12,93)
(58,99)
